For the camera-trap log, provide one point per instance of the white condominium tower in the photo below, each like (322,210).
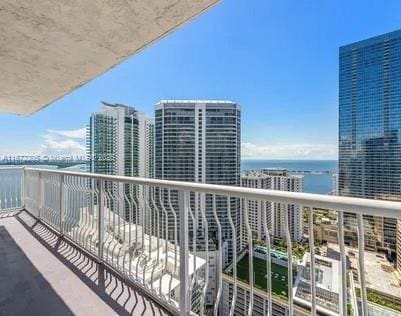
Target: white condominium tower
(273,179)
(334,184)
(120,141)
(200,141)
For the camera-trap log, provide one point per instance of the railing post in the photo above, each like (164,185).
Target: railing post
(62,204)
(361,259)
(40,193)
(185,304)
(23,189)
(312,261)
(101,220)
(343,259)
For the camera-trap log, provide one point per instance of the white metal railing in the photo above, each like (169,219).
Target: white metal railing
(11,181)
(167,236)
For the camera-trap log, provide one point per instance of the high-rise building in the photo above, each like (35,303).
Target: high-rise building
(334,184)
(272,213)
(200,141)
(120,141)
(370,129)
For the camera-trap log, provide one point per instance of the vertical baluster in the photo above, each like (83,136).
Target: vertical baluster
(250,256)
(68,206)
(194,250)
(343,258)
(312,261)
(142,214)
(175,242)
(62,204)
(136,206)
(101,220)
(17,187)
(165,236)
(40,195)
(85,207)
(205,224)
(289,261)
(23,183)
(234,245)
(268,258)
(185,304)
(131,220)
(219,263)
(361,257)
(152,191)
(149,232)
(6,188)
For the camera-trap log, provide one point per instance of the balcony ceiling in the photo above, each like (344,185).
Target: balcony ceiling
(48,48)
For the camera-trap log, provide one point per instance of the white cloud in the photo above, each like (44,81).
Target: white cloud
(55,143)
(288,151)
(64,142)
(73,133)
(52,147)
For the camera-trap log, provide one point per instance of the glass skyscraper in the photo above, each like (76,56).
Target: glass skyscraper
(120,141)
(370,128)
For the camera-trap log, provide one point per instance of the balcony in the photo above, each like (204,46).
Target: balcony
(99,244)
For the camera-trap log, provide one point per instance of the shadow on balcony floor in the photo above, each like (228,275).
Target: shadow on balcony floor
(41,274)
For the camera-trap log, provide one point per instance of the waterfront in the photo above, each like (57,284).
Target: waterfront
(317,173)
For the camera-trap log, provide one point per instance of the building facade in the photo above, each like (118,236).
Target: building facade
(260,301)
(370,129)
(328,285)
(334,184)
(120,141)
(271,213)
(200,141)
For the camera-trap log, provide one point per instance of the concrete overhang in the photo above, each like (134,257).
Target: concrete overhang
(48,48)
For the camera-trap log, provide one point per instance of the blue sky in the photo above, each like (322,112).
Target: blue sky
(278,59)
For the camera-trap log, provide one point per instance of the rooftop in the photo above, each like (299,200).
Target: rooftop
(328,284)
(370,41)
(279,275)
(327,272)
(377,276)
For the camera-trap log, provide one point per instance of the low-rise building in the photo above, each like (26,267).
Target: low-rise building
(328,284)
(260,300)
(262,213)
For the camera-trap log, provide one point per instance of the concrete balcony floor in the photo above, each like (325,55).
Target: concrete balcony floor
(42,274)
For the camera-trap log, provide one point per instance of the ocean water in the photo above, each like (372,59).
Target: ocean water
(317,173)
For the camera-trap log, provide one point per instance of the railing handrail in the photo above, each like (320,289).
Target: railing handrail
(4,167)
(338,203)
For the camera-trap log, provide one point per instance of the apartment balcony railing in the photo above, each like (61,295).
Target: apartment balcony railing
(155,233)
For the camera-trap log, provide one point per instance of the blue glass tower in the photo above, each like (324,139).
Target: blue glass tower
(370,128)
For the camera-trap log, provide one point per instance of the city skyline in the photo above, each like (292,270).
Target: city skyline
(225,158)
(281,96)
